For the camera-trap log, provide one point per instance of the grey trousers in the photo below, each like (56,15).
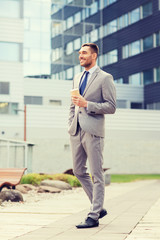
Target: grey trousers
(85,145)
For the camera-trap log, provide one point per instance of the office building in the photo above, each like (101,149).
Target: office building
(127,33)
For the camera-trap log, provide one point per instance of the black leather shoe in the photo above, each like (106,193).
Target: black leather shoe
(89,223)
(103,213)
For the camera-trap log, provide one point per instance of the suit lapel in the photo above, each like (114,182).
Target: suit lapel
(78,79)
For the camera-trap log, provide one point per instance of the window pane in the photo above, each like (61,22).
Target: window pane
(126,51)
(158,74)
(111,1)
(112,26)
(158,39)
(77,17)
(10,8)
(126,21)
(119,80)
(32,100)
(147,9)
(135,15)
(148,76)
(13,107)
(147,43)
(77,44)
(135,48)
(135,79)
(112,56)
(4,108)
(94,8)
(4,87)
(69,48)
(120,22)
(121,104)
(94,35)
(9,51)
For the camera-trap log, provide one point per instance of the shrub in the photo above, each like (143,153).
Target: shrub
(35,178)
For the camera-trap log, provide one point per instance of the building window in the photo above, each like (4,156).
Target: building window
(148,43)
(135,15)
(94,35)
(55,102)
(135,48)
(148,76)
(8,108)
(126,51)
(4,87)
(147,9)
(69,48)
(126,20)
(69,73)
(69,22)
(10,51)
(10,8)
(33,100)
(94,8)
(112,26)
(77,18)
(110,57)
(119,80)
(121,104)
(158,74)
(136,105)
(157,39)
(135,79)
(77,44)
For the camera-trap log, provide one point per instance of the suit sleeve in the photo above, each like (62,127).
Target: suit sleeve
(71,110)
(108,106)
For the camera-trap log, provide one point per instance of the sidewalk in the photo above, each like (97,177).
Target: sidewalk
(133,214)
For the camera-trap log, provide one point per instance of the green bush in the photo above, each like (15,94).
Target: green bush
(35,178)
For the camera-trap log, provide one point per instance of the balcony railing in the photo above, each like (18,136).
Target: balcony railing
(14,153)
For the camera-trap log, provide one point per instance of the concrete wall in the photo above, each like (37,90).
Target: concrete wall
(132,140)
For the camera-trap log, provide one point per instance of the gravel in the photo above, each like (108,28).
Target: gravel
(32,197)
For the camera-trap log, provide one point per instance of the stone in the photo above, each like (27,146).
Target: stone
(11,195)
(57,184)
(43,189)
(25,188)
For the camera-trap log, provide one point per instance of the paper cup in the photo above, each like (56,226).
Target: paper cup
(75,92)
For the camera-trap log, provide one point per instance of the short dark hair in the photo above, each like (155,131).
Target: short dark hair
(93,47)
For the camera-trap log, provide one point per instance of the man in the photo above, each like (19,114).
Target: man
(86,128)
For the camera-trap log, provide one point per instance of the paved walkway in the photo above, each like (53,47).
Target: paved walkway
(133,214)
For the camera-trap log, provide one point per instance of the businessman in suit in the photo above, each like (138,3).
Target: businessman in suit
(86,128)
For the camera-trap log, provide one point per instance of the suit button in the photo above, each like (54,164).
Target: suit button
(80,112)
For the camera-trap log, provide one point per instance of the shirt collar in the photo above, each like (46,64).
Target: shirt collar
(92,69)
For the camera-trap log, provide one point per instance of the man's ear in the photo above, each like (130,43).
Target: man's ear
(94,56)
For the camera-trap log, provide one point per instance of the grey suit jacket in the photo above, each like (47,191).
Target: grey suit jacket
(101,96)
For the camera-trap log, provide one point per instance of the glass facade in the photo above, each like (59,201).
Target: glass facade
(37,38)
(72,25)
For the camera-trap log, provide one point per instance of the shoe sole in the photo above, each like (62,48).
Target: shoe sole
(79,227)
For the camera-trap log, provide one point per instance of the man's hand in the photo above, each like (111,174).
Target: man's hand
(79,101)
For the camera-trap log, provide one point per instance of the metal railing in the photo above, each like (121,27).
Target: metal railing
(14,153)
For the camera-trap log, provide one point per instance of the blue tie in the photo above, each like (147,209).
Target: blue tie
(84,83)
